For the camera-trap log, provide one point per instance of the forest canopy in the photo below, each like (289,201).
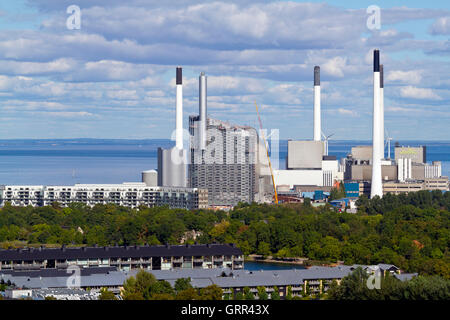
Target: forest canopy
(411,231)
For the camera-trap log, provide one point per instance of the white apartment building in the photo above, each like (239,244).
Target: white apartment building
(131,194)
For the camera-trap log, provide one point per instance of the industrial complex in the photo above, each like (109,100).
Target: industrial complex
(221,164)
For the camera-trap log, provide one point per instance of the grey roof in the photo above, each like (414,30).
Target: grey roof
(57,272)
(405,276)
(381,266)
(223,277)
(30,254)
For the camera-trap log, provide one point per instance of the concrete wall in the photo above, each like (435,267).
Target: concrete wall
(304,154)
(416,154)
(418,171)
(298,177)
(362,153)
(364,172)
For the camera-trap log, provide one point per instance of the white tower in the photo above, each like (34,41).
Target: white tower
(377,187)
(179,111)
(317,125)
(202,110)
(381,112)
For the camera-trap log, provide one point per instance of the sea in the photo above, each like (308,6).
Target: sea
(102,161)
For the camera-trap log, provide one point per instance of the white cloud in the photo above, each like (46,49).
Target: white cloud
(121,63)
(69,114)
(419,93)
(31,68)
(347,112)
(441,26)
(406,77)
(123,94)
(335,66)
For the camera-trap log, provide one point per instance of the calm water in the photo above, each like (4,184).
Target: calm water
(56,162)
(251,265)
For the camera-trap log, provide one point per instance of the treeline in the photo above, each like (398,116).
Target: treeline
(145,286)
(412,232)
(354,287)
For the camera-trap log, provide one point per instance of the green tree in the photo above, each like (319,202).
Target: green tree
(248,295)
(105,294)
(188,294)
(264,249)
(262,294)
(182,284)
(212,292)
(275,294)
(158,288)
(137,288)
(289,293)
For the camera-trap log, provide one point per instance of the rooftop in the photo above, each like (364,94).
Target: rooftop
(119,252)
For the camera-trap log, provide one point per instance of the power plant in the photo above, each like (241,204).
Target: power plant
(224,164)
(227,160)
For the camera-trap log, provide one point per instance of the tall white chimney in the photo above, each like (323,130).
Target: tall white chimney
(317,125)
(202,110)
(179,110)
(381,112)
(377,187)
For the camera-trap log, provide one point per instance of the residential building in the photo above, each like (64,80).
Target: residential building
(125,258)
(131,194)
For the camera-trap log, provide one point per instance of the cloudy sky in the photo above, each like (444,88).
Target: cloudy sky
(115,76)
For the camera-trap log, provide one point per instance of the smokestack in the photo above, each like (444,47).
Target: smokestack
(317,126)
(202,110)
(382,111)
(377,187)
(179,110)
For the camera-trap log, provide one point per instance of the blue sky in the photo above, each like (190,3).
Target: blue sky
(114,78)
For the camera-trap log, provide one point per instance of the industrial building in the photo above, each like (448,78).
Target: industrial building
(223,157)
(166,257)
(131,194)
(408,172)
(227,168)
(307,161)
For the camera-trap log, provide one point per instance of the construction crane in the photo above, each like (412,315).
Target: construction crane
(267,152)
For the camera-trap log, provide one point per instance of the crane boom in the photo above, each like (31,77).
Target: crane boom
(267,153)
